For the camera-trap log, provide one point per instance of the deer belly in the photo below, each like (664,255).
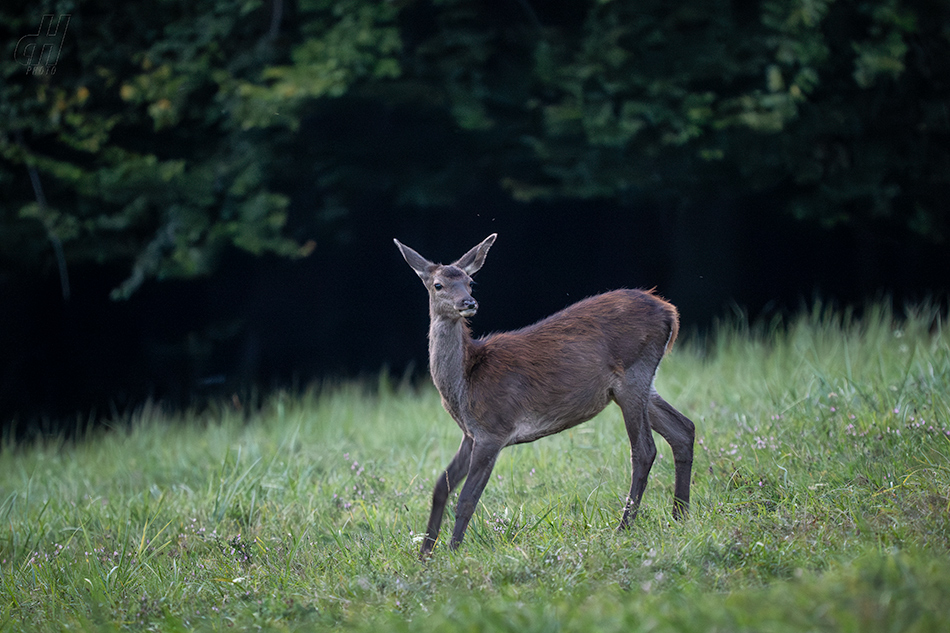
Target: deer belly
(533,427)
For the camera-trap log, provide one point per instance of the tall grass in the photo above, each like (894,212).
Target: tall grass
(821,502)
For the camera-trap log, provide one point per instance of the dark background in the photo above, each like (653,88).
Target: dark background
(198,199)
(353,307)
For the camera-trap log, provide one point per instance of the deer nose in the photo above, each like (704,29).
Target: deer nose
(468,307)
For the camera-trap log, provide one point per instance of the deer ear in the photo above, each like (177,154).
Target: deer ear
(417,262)
(473,260)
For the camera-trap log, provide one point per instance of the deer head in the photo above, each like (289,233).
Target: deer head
(449,286)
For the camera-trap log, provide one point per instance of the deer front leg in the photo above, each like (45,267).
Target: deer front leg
(453,474)
(484,455)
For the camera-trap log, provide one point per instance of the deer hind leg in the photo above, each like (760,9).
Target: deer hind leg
(453,474)
(679,432)
(634,405)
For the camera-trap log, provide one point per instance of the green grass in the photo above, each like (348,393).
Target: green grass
(821,502)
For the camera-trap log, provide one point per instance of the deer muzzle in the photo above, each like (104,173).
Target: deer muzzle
(468,308)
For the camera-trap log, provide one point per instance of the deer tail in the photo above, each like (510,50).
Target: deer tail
(673,319)
(674,326)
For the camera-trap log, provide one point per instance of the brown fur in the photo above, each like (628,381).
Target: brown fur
(563,368)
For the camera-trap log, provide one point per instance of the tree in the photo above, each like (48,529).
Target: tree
(171,130)
(843,105)
(153,137)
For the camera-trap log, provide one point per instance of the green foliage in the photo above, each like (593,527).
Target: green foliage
(883,53)
(821,502)
(341,43)
(142,144)
(828,100)
(171,130)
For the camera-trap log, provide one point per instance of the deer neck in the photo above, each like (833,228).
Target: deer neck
(449,341)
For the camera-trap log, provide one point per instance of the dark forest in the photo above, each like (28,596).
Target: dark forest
(198,199)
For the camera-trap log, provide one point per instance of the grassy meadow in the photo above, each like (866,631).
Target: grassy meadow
(821,502)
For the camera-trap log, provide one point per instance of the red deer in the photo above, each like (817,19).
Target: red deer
(516,387)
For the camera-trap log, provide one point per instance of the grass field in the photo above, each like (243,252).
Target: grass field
(821,502)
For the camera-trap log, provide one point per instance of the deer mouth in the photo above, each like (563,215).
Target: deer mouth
(468,312)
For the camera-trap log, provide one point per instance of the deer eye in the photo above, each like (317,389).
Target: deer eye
(437,286)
